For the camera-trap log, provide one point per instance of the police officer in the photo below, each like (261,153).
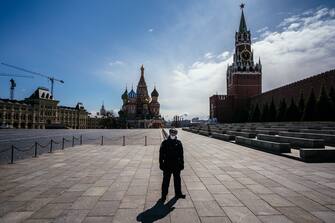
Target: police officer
(171,161)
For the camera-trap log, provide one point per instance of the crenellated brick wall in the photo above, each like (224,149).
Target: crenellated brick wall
(294,89)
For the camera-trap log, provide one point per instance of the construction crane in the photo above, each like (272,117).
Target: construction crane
(12,87)
(13,83)
(50,78)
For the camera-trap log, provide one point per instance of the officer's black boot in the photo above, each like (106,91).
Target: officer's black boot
(182,196)
(163,198)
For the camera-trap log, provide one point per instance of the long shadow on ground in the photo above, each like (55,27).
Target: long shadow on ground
(158,211)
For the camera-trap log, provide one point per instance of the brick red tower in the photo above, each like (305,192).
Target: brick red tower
(244,77)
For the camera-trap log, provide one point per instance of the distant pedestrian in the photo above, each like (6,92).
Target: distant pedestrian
(171,161)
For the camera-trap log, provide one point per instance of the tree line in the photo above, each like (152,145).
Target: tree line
(315,108)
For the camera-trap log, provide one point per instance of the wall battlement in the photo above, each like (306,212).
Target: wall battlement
(294,90)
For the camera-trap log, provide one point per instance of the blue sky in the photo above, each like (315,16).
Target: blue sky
(97,47)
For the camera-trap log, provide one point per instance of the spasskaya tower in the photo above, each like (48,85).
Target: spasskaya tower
(244,76)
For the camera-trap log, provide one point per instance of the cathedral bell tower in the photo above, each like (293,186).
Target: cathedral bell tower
(244,76)
(142,95)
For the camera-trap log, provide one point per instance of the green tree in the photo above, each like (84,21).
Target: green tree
(282,111)
(272,111)
(310,108)
(293,113)
(332,95)
(256,114)
(236,116)
(250,113)
(109,122)
(244,115)
(332,98)
(324,106)
(122,119)
(240,114)
(265,113)
(301,106)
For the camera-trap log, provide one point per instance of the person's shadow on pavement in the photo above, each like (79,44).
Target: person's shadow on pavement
(158,211)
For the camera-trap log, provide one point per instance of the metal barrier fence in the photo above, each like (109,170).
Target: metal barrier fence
(35,148)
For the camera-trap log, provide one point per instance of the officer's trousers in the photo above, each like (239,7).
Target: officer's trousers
(166,181)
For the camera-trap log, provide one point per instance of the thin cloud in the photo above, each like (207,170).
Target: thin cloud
(262,29)
(223,56)
(290,20)
(208,55)
(116,63)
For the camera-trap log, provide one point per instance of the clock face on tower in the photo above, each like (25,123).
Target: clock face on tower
(245,55)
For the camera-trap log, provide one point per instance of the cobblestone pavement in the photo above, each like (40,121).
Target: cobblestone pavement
(224,182)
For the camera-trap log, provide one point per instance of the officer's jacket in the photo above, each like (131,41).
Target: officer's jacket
(171,155)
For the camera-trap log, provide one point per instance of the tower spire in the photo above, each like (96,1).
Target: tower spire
(142,70)
(243,24)
(142,90)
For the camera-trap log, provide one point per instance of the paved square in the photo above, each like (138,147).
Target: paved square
(224,182)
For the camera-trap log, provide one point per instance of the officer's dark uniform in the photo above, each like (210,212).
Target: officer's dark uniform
(171,161)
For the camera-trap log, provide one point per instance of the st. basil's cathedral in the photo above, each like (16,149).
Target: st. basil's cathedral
(139,110)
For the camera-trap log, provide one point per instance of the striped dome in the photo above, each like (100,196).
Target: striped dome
(125,95)
(154,93)
(132,94)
